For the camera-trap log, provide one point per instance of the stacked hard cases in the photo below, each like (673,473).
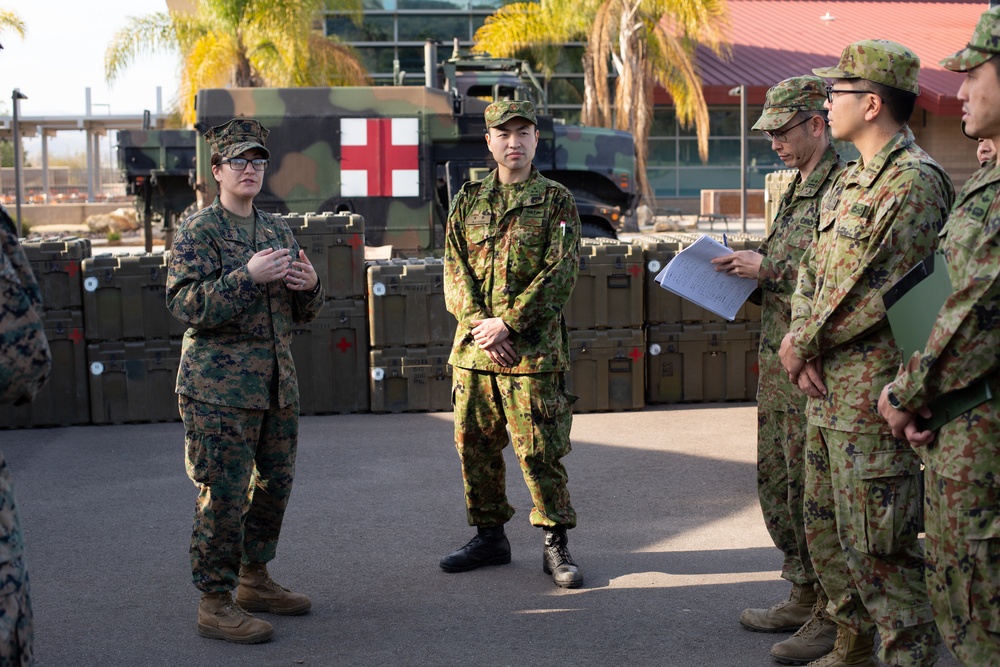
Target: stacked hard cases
(694,355)
(411,336)
(331,352)
(605,320)
(382,341)
(64,399)
(133,342)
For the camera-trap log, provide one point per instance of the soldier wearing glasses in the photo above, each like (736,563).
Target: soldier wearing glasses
(239,280)
(863,485)
(794,120)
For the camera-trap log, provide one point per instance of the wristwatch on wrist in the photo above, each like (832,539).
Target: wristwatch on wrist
(315,290)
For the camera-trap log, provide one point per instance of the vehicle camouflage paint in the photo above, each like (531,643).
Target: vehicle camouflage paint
(397,155)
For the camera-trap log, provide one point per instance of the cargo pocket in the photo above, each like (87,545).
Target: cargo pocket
(983,535)
(889,500)
(202,440)
(555,424)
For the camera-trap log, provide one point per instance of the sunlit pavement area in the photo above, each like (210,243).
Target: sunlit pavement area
(670,540)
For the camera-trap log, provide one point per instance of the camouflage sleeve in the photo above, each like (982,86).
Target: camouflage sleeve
(305,306)
(910,210)
(777,274)
(964,344)
(550,290)
(805,288)
(206,288)
(461,295)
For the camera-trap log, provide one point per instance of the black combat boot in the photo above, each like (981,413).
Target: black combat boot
(557,561)
(488,547)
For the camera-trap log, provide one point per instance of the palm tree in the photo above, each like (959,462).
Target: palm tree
(9,20)
(241,43)
(647,42)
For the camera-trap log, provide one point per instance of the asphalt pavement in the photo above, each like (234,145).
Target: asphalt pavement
(670,540)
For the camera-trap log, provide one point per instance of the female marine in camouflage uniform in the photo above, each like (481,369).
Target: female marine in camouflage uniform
(239,280)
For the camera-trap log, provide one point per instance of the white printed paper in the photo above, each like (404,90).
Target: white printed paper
(691,275)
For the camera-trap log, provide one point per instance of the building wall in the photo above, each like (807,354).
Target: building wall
(942,137)
(391,39)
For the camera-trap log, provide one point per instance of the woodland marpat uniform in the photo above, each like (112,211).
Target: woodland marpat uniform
(863,487)
(25,362)
(236,354)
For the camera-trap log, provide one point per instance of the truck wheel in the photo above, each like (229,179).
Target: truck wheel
(590,230)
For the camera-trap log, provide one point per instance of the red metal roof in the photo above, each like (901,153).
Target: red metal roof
(775,39)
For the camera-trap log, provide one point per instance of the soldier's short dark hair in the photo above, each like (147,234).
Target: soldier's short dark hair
(898,102)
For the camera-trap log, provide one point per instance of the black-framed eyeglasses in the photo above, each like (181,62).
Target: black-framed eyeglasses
(240,163)
(782,135)
(830,90)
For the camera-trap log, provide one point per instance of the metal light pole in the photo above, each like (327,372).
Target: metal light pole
(17,96)
(741,92)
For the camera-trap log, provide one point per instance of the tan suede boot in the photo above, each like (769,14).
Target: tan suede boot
(850,650)
(811,642)
(786,616)
(219,618)
(258,592)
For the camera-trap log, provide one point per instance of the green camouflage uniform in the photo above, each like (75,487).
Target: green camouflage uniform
(512,251)
(25,359)
(863,487)
(963,463)
(781,421)
(24,369)
(238,391)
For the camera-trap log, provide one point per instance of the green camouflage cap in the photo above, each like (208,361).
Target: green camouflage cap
(877,60)
(500,112)
(985,44)
(236,136)
(785,99)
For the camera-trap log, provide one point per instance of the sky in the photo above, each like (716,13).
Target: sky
(62,54)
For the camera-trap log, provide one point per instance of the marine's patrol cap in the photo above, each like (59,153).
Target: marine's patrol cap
(877,60)
(236,136)
(785,99)
(500,112)
(985,44)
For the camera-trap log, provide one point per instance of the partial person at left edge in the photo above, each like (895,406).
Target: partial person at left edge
(25,362)
(239,280)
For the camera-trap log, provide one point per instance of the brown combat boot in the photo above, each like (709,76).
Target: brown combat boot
(811,642)
(786,616)
(850,650)
(258,592)
(219,618)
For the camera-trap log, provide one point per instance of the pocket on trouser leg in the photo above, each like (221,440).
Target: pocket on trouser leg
(983,536)
(202,436)
(890,500)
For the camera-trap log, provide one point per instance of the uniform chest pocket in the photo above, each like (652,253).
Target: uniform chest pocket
(477,228)
(855,224)
(529,230)
(973,213)
(235,253)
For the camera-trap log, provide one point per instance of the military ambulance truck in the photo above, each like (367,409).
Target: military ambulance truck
(398,154)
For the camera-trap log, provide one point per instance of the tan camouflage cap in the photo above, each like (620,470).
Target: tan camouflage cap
(785,99)
(985,44)
(500,112)
(877,60)
(236,136)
